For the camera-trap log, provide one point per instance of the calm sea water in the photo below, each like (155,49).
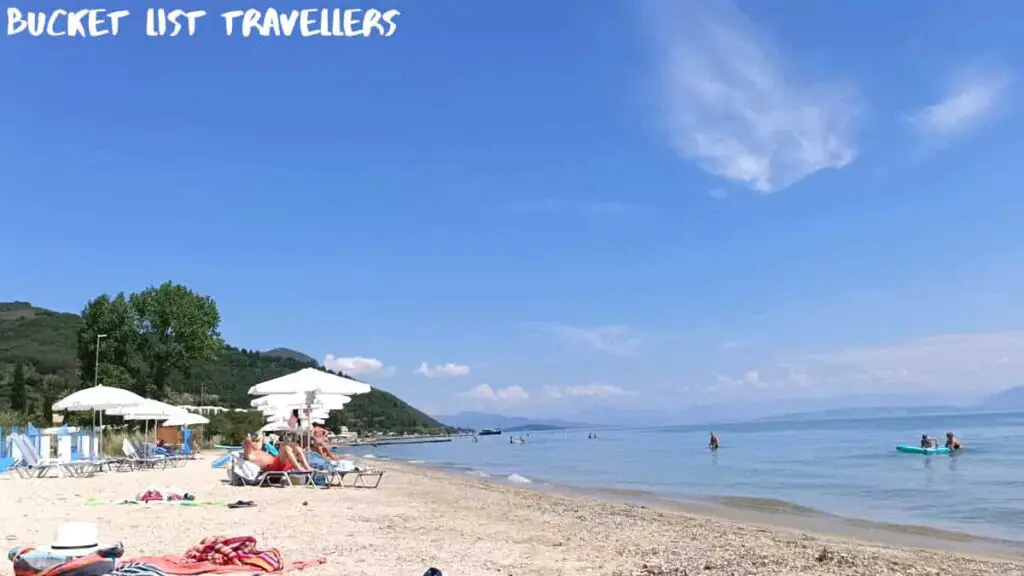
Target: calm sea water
(848,468)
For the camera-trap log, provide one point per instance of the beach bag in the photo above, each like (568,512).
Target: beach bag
(47,562)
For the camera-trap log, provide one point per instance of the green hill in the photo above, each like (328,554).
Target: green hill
(291,354)
(39,364)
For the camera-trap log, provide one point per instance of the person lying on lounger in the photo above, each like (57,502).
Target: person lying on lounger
(288,459)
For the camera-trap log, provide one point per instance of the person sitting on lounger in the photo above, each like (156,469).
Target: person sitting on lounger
(288,459)
(952,442)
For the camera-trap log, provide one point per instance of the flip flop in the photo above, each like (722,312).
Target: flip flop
(242,504)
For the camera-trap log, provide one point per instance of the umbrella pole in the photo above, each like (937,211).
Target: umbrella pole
(99,449)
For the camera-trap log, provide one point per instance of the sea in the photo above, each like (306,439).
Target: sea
(841,468)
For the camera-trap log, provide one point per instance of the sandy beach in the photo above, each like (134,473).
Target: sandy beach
(420,518)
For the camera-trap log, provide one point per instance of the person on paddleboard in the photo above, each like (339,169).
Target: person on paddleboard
(713,443)
(952,442)
(927,442)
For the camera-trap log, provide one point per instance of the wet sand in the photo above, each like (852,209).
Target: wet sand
(420,518)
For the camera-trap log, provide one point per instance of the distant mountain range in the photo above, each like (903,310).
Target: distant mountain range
(852,406)
(1009,400)
(481,420)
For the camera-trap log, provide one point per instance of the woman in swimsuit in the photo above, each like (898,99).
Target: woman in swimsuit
(288,458)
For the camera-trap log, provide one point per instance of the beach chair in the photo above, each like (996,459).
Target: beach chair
(149,451)
(31,464)
(241,472)
(134,461)
(338,470)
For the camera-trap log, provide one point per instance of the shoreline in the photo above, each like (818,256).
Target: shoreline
(421,517)
(764,511)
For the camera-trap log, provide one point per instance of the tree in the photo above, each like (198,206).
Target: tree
(148,337)
(176,327)
(19,389)
(114,320)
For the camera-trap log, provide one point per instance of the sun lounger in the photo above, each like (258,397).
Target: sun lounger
(134,461)
(241,472)
(338,470)
(32,465)
(151,452)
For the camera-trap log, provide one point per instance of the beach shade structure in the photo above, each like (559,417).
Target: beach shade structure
(307,389)
(187,419)
(148,410)
(278,413)
(302,400)
(98,398)
(275,426)
(310,380)
(154,409)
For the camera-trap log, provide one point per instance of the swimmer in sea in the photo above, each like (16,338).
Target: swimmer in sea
(952,442)
(713,443)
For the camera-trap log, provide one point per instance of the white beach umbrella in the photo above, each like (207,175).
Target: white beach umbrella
(310,380)
(187,419)
(153,408)
(97,399)
(275,426)
(301,400)
(278,413)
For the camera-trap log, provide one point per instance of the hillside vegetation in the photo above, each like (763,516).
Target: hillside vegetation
(162,343)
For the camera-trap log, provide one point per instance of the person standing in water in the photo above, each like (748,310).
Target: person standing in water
(713,443)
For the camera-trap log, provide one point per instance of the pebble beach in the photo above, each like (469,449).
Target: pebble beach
(420,518)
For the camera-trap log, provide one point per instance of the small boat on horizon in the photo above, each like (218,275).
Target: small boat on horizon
(489,432)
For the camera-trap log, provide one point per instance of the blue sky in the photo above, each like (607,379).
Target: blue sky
(641,203)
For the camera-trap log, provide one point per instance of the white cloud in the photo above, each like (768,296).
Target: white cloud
(969,101)
(975,363)
(358,366)
(586,391)
(616,340)
(509,394)
(731,106)
(751,379)
(446,370)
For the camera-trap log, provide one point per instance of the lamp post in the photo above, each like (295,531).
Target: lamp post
(96,373)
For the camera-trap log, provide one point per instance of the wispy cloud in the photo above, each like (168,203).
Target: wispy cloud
(731,106)
(593,390)
(617,340)
(969,101)
(950,363)
(446,370)
(358,366)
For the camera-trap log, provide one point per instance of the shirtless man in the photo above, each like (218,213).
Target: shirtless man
(713,444)
(288,459)
(952,442)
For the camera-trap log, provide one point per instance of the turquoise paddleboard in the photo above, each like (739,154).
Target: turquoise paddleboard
(911,449)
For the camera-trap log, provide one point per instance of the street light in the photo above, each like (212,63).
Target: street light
(96,373)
